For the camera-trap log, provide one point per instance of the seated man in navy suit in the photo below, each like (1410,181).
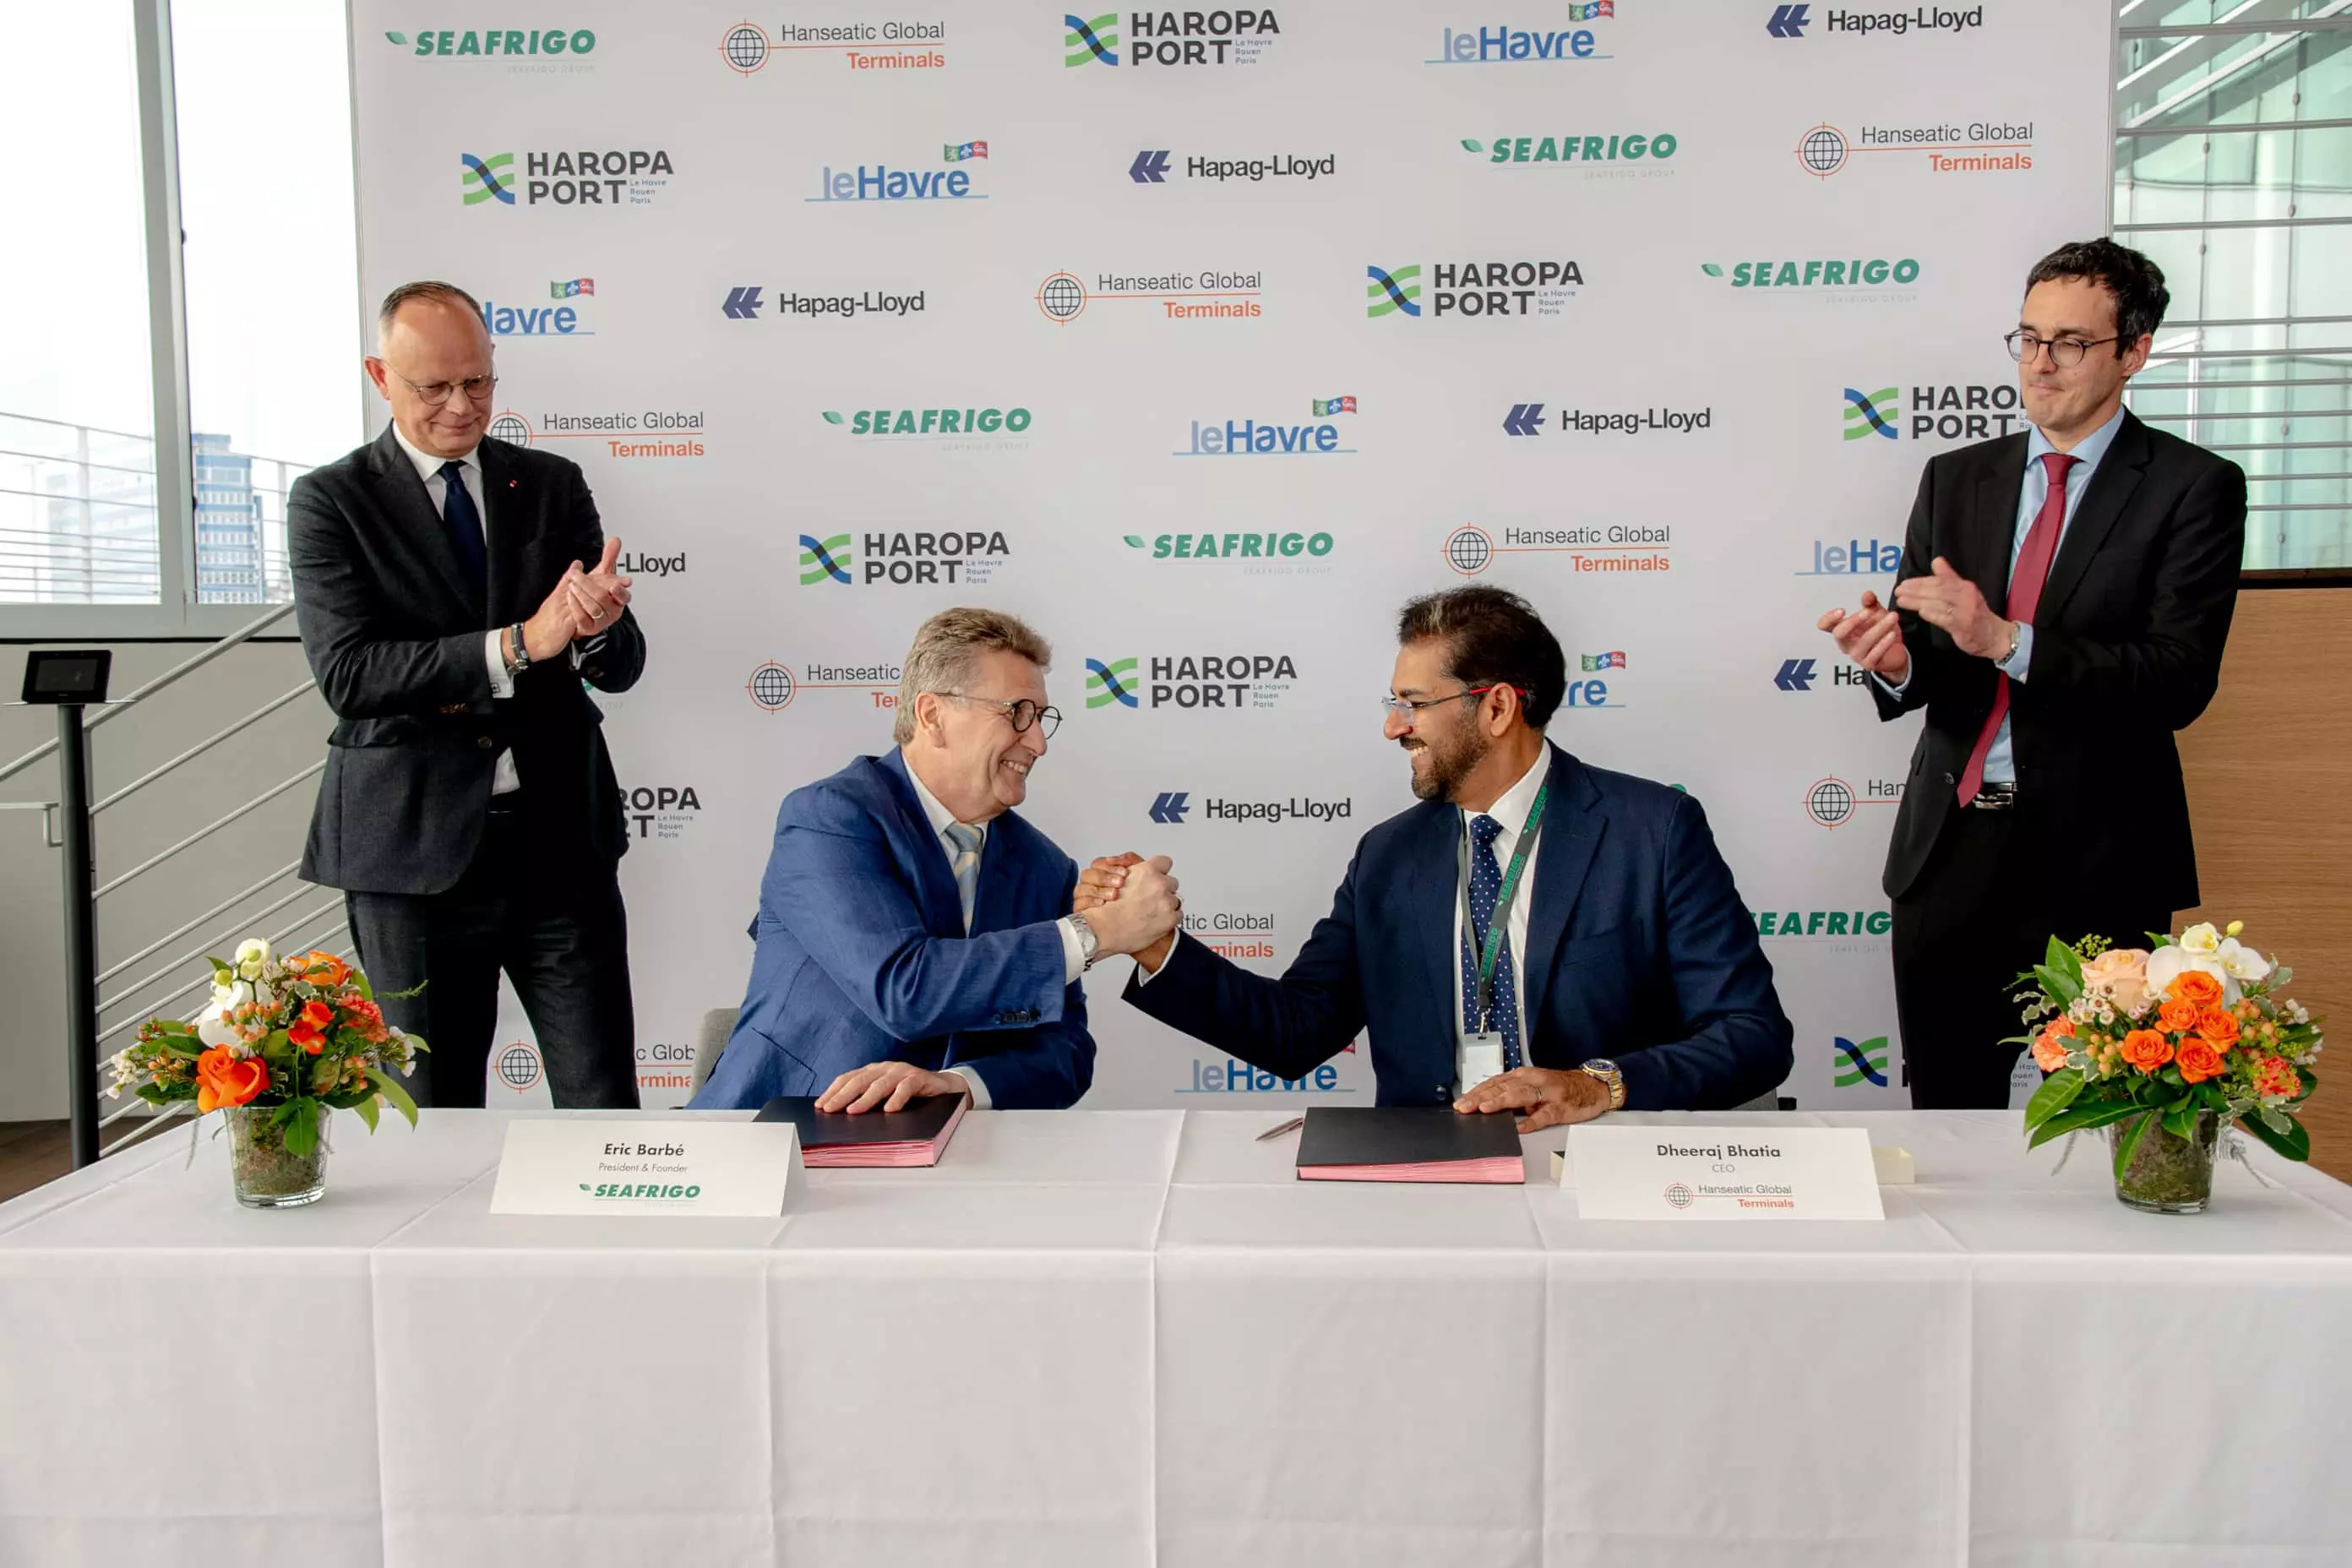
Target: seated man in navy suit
(914,935)
(1536,936)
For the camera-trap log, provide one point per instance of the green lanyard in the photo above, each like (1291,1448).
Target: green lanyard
(1498,928)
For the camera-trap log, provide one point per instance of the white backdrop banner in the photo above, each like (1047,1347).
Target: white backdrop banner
(1204,340)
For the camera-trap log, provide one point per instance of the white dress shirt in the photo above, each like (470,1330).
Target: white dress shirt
(1511,811)
(504,779)
(1074,958)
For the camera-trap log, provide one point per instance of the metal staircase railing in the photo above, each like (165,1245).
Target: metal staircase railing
(130,1004)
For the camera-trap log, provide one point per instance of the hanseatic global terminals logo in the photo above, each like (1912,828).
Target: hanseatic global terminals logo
(1978,147)
(776,684)
(1599,550)
(1832,802)
(1211,294)
(864,48)
(624,433)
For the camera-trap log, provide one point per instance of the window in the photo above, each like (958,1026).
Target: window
(2233,169)
(78,522)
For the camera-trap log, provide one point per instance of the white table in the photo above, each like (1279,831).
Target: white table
(1110,1338)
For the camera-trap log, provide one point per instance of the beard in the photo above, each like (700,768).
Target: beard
(1450,762)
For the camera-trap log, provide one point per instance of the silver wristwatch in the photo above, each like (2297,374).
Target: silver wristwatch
(1606,1071)
(1088,941)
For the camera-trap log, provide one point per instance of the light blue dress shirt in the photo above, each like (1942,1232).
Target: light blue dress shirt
(2000,764)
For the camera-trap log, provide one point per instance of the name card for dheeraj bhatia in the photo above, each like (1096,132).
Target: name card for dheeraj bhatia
(1685,1172)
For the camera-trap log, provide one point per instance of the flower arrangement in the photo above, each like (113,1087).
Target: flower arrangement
(295,1035)
(2161,1039)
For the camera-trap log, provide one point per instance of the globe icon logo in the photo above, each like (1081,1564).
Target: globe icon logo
(1469,552)
(772,687)
(1062,298)
(1830,802)
(1822,152)
(511,428)
(1678,1194)
(517,1067)
(745,49)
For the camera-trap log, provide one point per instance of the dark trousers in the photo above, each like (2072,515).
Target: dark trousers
(560,936)
(1981,913)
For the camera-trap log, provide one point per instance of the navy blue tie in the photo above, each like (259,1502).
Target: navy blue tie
(1486,882)
(464,525)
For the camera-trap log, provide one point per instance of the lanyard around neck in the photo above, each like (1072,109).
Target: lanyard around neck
(1497,927)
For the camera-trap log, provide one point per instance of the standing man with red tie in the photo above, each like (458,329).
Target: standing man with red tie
(2063,601)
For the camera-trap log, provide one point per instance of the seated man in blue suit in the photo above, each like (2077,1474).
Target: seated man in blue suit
(914,935)
(1536,936)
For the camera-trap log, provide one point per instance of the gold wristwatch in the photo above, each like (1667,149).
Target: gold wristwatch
(1607,1072)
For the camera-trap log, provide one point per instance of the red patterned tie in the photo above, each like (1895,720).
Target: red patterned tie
(2024,593)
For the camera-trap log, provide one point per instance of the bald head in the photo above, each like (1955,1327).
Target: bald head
(433,364)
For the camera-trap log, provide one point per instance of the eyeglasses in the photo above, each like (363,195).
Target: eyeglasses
(2064,352)
(1406,709)
(476,388)
(1022,713)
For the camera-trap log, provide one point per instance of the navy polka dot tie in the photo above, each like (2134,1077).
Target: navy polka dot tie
(1486,882)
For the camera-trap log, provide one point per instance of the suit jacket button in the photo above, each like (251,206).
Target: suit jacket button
(486,743)
(1950,780)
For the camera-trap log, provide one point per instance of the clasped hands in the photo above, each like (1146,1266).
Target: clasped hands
(1129,914)
(586,604)
(1872,637)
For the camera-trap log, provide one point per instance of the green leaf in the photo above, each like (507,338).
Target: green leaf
(301,1125)
(831,417)
(1470,146)
(2082,1119)
(367,1112)
(2295,1142)
(2062,990)
(2056,1094)
(1710,269)
(2156,939)
(2282,975)
(360,984)
(2180,1120)
(2063,959)
(2128,1145)
(392,1091)
(398,38)
(1134,540)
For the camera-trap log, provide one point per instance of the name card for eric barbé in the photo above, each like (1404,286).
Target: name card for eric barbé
(563,1166)
(1685,1172)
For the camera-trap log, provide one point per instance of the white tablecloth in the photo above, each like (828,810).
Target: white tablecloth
(1112,1338)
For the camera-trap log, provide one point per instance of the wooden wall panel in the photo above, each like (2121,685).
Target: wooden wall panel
(2269,796)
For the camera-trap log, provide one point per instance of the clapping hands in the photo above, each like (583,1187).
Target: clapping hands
(586,603)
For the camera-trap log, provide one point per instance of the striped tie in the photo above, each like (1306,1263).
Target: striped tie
(965,840)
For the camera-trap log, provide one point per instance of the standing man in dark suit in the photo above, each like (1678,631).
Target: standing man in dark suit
(454,591)
(1536,936)
(2044,797)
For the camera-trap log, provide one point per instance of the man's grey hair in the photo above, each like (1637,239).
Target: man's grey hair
(427,289)
(945,648)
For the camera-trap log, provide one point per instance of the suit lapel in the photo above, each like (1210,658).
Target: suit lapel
(935,886)
(1571,832)
(416,525)
(1435,871)
(2112,488)
(504,507)
(1992,542)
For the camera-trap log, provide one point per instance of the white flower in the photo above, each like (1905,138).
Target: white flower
(2200,939)
(230,998)
(2170,961)
(252,956)
(215,1029)
(2242,962)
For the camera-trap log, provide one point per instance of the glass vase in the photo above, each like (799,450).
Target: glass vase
(267,1174)
(2168,1174)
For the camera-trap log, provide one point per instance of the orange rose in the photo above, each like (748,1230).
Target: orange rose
(2198,1061)
(324,969)
(2177,1017)
(302,1035)
(2219,1027)
(2050,1053)
(2146,1050)
(223,1077)
(2196,986)
(317,1015)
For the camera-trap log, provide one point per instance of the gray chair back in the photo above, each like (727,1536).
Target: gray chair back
(709,1039)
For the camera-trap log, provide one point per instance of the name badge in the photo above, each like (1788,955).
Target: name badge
(1482,1058)
(558,1166)
(1685,1172)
